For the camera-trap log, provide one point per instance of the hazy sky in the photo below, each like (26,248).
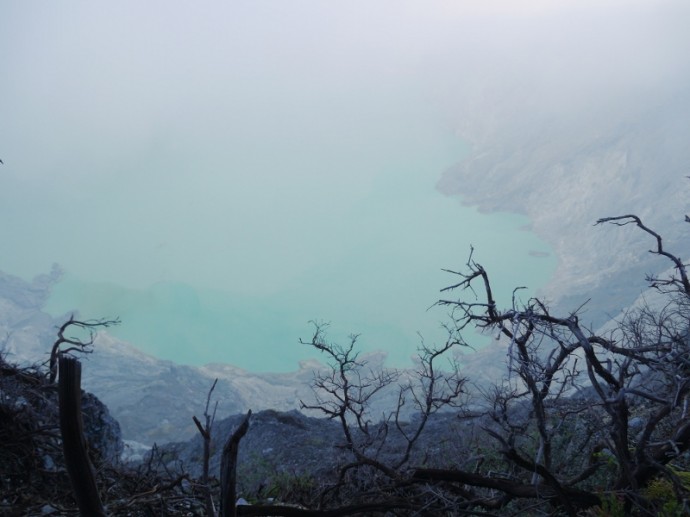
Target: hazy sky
(288,151)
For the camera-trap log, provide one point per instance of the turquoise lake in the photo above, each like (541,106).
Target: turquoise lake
(357,239)
(217,197)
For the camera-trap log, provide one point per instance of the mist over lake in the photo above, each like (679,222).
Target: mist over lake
(219,191)
(231,266)
(365,255)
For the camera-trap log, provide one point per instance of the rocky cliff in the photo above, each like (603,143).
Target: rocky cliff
(565,168)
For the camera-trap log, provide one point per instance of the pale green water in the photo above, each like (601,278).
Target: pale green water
(218,216)
(219,175)
(364,254)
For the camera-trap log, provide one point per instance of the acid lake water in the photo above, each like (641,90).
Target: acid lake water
(224,249)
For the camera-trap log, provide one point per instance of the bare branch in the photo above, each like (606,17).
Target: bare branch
(79,344)
(623,220)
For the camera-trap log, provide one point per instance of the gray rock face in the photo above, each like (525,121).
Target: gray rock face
(155,400)
(28,400)
(101,430)
(288,441)
(279,443)
(566,169)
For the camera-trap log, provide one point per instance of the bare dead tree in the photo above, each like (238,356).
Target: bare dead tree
(81,471)
(569,390)
(65,344)
(346,392)
(432,389)
(228,470)
(205,431)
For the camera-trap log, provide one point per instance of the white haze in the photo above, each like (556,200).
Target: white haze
(219,144)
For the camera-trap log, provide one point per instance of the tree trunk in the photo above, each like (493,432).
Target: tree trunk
(79,467)
(228,470)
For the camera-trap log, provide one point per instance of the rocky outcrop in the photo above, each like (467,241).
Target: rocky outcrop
(291,443)
(565,169)
(30,422)
(101,429)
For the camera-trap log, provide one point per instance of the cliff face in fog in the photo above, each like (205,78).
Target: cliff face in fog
(566,170)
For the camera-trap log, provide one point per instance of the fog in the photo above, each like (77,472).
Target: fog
(253,165)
